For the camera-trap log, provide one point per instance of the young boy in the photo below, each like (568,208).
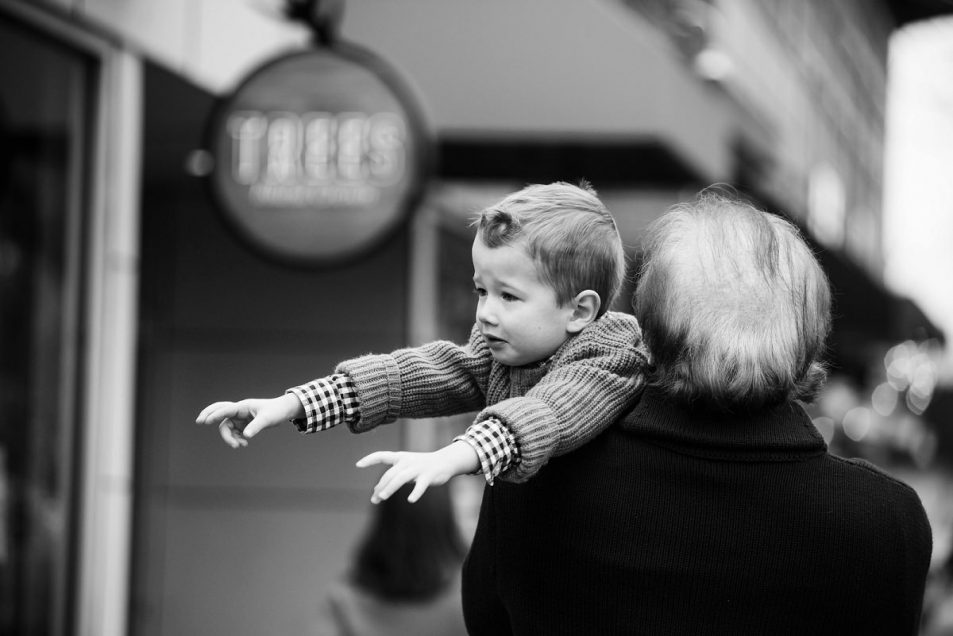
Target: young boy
(546,362)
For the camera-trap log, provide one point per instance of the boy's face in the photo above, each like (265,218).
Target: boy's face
(516,312)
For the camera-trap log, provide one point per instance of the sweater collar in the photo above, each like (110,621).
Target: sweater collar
(782,433)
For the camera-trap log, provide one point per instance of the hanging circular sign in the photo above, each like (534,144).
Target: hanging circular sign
(318,155)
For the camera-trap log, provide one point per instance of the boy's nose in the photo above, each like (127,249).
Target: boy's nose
(485,313)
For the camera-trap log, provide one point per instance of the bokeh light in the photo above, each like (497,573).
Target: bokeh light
(857,423)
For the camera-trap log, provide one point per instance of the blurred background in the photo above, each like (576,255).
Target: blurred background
(215,199)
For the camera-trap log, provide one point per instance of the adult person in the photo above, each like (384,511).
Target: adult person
(714,507)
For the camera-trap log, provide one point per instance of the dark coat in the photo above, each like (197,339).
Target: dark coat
(681,522)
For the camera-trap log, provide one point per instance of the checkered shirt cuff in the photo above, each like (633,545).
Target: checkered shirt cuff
(494,445)
(327,402)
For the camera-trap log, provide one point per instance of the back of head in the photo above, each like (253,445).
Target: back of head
(734,306)
(569,234)
(410,551)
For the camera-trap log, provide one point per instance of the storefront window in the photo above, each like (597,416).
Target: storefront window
(44,123)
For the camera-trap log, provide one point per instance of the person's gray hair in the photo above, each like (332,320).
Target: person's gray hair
(734,306)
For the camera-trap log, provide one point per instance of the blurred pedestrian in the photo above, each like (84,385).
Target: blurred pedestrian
(405,575)
(714,507)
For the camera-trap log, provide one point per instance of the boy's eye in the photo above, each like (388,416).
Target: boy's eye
(479,291)
(508,297)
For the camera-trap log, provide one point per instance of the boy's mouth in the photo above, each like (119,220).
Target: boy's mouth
(492,340)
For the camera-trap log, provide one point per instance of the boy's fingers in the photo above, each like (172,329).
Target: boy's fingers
(215,413)
(419,489)
(225,430)
(203,417)
(254,427)
(390,481)
(235,443)
(385,492)
(385,481)
(377,457)
(231,436)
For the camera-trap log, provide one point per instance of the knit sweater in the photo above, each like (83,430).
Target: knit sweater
(551,408)
(678,521)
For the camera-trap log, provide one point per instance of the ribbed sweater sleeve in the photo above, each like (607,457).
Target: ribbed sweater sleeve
(436,379)
(592,380)
(905,526)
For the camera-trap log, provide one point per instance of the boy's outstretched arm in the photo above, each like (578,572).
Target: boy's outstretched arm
(424,469)
(237,421)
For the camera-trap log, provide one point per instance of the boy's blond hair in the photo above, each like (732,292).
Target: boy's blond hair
(569,234)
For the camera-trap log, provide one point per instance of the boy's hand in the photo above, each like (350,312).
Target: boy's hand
(237,421)
(425,469)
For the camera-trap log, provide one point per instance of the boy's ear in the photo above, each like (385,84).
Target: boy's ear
(585,308)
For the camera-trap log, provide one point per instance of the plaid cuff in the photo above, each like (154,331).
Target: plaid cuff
(349,400)
(494,445)
(327,402)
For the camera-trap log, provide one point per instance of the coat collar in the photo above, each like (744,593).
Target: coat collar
(780,434)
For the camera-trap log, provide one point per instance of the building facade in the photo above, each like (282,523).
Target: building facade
(128,303)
